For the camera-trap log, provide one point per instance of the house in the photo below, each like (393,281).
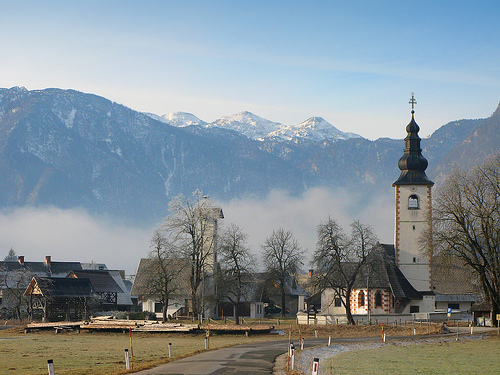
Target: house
(15,278)
(250,304)
(59,299)
(294,294)
(106,288)
(454,285)
(148,285)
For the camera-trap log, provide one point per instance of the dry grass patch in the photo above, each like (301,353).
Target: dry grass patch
(100,353)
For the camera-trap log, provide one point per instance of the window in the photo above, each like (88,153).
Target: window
(361,298)
(413,203)
(454,306)
(158,307)
(378,299)
(414,309)
(337,302)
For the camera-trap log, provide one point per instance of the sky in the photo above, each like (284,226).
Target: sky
(353,63)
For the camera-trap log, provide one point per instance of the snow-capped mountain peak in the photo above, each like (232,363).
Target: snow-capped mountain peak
(313,129)
(179,119)
(248,124)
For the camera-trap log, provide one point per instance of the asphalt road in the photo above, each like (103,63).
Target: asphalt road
(248,359)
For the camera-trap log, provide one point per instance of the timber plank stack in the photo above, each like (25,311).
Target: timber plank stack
(110,324)
(107,323)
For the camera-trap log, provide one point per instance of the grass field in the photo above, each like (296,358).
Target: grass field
(99,353)
(461,357)
(103,353)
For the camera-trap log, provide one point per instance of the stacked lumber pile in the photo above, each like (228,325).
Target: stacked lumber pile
(108,323)
(57,326)
(167,327)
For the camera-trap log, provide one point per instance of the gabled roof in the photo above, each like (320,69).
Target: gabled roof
(102,281)
(450,276)
(59,287)
(381,272)
(54,269)
(148,267)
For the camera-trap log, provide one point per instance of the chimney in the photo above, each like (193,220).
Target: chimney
(20,259)
(47,260)
(311,271)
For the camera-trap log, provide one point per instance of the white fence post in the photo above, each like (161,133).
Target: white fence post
(127,360)
(169,350)
(50,365)
(315,366)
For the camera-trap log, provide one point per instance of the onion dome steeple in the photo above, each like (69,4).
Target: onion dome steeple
(412,164)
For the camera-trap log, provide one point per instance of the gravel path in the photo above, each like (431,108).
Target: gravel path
(304,359)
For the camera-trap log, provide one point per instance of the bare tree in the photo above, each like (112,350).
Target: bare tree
(236,267)
(192,228)
(339,258)
(466,224)
(282,258)
(13,284)
(164,269)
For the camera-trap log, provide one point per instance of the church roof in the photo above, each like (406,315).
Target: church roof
(412,164)
(383,273)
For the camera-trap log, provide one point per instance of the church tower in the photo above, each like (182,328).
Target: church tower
(413,203)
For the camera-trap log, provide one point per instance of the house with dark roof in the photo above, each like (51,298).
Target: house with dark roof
(59,299)
(454,284)
(107,286)
(103,285)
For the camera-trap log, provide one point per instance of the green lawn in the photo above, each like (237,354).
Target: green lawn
(462,357)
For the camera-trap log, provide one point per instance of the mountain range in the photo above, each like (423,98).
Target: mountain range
(260,129)
(71,149)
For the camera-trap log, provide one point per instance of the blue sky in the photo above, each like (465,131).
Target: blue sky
(353,63)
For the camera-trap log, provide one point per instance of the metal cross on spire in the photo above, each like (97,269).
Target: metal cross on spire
(412,102)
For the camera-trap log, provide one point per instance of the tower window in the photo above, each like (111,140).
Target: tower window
(413,203)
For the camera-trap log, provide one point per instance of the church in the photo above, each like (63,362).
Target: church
(404,280)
